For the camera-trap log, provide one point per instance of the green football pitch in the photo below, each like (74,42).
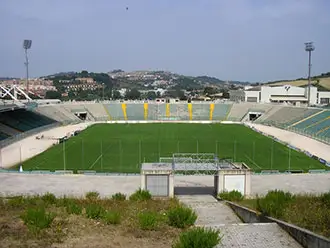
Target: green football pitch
(123,147)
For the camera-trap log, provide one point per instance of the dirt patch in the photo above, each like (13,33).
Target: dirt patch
(70,230)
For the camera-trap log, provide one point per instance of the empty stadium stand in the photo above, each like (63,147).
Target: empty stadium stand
(57,112)
(285,116)
(97,111)
(318,124)
(221,111)
(22,120)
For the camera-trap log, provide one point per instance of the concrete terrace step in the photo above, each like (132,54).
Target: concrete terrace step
(214,214)
(209,210)
(258,235)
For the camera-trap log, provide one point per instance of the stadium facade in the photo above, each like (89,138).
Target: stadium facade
(281,94)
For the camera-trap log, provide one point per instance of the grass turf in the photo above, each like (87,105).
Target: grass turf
(126,146)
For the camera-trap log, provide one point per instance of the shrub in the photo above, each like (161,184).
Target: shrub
(148,220)
(92,195)
(73,208)
(181,217)
(16,201)
(140,195)
(233,195)
(325,199)
(37,218)
(49,198)
(274,203)
(118,197)
(111,217)
(94,211)
(198,237)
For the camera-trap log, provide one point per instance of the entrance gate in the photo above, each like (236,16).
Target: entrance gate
(158,177)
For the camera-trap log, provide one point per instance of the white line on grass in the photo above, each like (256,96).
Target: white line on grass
(95,162)
(252,161)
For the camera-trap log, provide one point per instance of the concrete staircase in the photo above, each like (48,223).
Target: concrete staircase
(214,214)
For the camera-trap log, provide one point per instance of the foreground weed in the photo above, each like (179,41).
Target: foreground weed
(92,195)
(111,217)
(49,198)
(94,211)
(274,203)
(140,195)
(148,220)
(118,197)
(234,196)
(73,208)
(37,218)
(181,216)
(198,237)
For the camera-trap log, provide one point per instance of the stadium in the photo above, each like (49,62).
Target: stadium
(192,151)
(119,136)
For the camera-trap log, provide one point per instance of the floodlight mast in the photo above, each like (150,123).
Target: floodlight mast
(27,45)
(309,47)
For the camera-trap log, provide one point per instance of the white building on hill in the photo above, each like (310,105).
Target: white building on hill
(279,94)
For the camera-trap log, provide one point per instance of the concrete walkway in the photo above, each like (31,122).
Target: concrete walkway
(235,234)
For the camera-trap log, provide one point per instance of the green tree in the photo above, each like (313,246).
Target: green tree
(209,91)
(116,95)
(133,94)
(84,73)
(71,94)
(151,95)
(52,94)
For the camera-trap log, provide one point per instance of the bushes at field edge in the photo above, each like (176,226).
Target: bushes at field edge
(181,217)
(198,237)
(233,195)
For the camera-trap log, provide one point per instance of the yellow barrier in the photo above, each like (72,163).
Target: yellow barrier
(168,114)
(123,107)
(107,111)
(190,111)
(145,107)
(211,111)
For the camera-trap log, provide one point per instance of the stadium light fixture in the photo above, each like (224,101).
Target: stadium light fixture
(27,45)
(309,47)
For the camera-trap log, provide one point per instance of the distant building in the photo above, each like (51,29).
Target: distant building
(280,94)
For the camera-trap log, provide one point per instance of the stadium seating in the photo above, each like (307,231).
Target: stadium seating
(201,111)
(8,130)
(97,111)
(156,111)
(286,116)
(135,111)
(57,112)
(115,111)
(221,111)
(23,120)
(3,136)
(316,125)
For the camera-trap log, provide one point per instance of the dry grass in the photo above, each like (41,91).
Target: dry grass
(69,230)
(307,211)
(325,82)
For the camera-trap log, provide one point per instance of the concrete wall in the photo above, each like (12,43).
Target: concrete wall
(323,94)
(222,177)
(170,181)
(305,237)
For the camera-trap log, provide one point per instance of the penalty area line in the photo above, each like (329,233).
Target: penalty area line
(252,161)
(95,162)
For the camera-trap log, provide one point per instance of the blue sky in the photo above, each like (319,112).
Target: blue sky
(252,40)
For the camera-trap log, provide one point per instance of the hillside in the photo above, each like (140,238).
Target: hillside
(322,82)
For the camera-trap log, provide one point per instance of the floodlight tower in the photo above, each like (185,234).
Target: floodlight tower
(309,47)
(27,45)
